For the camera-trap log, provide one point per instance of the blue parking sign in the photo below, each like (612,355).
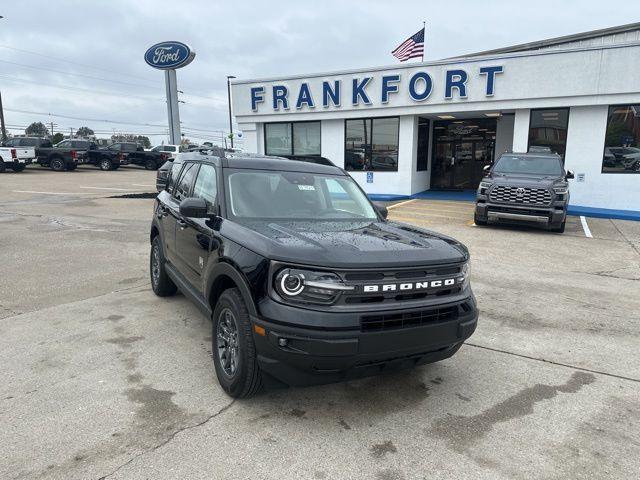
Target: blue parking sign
(369,177)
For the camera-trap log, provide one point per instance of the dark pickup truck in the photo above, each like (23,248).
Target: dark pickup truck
(137,155)
(58,159)
(305,280)
(525,188)
(103,158)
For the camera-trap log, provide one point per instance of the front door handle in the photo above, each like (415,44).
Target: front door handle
(182,224)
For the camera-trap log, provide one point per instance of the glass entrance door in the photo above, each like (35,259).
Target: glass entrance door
(460,150)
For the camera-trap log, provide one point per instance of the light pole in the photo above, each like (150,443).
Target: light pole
(229,77)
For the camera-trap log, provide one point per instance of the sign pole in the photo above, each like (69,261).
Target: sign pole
(171,84)
(4,130)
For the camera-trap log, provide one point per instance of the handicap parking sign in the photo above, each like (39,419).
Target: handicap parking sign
(369,177)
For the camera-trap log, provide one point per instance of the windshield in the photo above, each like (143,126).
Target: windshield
(532,165)
(264,194)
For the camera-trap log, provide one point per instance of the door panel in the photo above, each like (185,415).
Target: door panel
(193,242)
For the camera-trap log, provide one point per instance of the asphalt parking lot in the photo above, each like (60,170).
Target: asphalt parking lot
(101,379)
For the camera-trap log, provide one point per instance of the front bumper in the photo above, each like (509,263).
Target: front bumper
(303,355)
(545,216)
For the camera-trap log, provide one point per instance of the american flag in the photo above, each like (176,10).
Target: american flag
(412,47)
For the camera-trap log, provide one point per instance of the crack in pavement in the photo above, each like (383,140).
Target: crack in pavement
(78,300)
(544,360)
(168,440)
(625,237)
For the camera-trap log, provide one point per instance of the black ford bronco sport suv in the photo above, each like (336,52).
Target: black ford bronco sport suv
(305,280)
(525,187)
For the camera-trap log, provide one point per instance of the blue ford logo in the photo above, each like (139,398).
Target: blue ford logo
(168,55)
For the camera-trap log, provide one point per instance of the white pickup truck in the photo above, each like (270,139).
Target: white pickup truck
(16,158)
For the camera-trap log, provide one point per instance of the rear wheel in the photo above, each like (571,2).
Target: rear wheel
(57,164)
(2,166)
(19,167)
(234,352)
(105,164)
(71,167)
(161,284)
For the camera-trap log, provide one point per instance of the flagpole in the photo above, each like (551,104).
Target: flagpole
(424,40)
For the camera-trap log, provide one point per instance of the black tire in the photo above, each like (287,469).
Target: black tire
(71,167)
(105,164)
(479,222)
(560,229)
(19,167)
(2,167)
(150,164)
(246,379)
(57,164)
(161,284)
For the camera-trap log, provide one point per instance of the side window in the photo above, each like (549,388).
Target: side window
(173,176)
(13,142)
(115,147)
(206,186)
(183,187)
(130,147)
(29,142)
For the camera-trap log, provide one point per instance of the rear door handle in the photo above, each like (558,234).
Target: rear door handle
(182,224)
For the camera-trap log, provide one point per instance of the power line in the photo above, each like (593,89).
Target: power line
(72,62)
(78,75)
(117,122)
(67,87)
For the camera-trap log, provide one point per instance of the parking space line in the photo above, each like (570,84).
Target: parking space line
(141,185)
(401,203)
(55,193)
(585,227)
(108,188)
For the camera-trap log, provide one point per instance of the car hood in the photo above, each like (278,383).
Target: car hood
(524,180)
(346,244)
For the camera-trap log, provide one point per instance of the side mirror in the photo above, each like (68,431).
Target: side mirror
(569,175)
(486,168)
(382,210)
(194,208)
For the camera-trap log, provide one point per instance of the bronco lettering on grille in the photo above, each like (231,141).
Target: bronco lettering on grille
(392,287)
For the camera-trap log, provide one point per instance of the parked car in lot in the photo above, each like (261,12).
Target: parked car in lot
(135,154)
(16,158)
(171,150)
(58,159)
(305,280)
(525,187)
(103,158)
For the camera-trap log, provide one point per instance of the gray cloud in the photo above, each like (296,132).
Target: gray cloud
(245,39)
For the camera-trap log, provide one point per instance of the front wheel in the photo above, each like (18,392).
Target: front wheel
(150,165)
(19,167)
(71,167)
(560,229)
(234,352)
(161,284)
(477,221)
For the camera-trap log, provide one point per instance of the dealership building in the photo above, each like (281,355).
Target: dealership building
(405,129)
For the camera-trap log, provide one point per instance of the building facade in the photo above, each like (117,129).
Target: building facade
(404,129)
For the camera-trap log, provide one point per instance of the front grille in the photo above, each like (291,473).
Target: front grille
(358,279)
(392,321)
(520,195)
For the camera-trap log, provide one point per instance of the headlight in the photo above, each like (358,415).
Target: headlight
(307,286)
(561,190)
(484,186)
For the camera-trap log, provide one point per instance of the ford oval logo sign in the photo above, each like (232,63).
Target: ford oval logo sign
(169,55)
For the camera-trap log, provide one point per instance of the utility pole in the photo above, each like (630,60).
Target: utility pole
(4,130)
(229,77)
(52,126)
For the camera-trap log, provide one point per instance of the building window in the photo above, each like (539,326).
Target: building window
(622,140)
(548,130)
(372,144)
(423,144)
(292,138)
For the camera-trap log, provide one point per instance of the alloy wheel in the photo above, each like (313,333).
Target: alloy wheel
(227,342)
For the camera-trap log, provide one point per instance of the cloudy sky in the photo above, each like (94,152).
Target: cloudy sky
(79,63)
